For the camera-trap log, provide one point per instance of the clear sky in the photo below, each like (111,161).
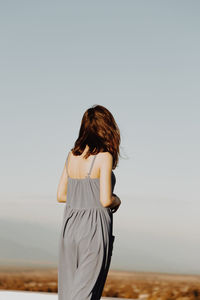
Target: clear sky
(141,60)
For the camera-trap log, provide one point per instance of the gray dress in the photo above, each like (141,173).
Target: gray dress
(86,240)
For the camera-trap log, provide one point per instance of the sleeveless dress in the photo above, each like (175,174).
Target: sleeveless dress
(86,240)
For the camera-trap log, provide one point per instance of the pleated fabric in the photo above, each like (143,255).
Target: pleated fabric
(86,241)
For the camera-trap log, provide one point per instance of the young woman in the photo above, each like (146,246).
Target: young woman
(86,185)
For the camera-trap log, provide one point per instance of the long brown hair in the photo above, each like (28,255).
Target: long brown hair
(100,132)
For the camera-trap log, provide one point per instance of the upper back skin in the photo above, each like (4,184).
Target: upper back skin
(78,167)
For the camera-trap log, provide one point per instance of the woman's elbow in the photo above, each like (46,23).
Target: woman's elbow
(61,198)
(107,202)
(58,198)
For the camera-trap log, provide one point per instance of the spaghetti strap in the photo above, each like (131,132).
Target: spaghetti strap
(91,165)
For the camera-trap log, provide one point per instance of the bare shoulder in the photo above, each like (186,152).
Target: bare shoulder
(105,157)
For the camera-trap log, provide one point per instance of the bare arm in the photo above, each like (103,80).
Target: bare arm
(106,161)
(62,186)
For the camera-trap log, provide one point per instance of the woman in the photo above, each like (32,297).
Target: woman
(86,241)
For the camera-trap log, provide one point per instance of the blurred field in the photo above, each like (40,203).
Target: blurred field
(120,284)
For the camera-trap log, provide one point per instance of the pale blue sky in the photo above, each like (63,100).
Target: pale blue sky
(141,60)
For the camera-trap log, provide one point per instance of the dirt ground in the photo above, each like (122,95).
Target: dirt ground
(119,284)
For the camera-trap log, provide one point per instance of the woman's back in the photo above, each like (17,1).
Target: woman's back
(79,167)
(86,240)
(83,190)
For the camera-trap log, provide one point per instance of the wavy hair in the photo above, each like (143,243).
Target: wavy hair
(100,132)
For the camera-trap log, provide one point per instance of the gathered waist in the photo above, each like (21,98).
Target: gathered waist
(88,207)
